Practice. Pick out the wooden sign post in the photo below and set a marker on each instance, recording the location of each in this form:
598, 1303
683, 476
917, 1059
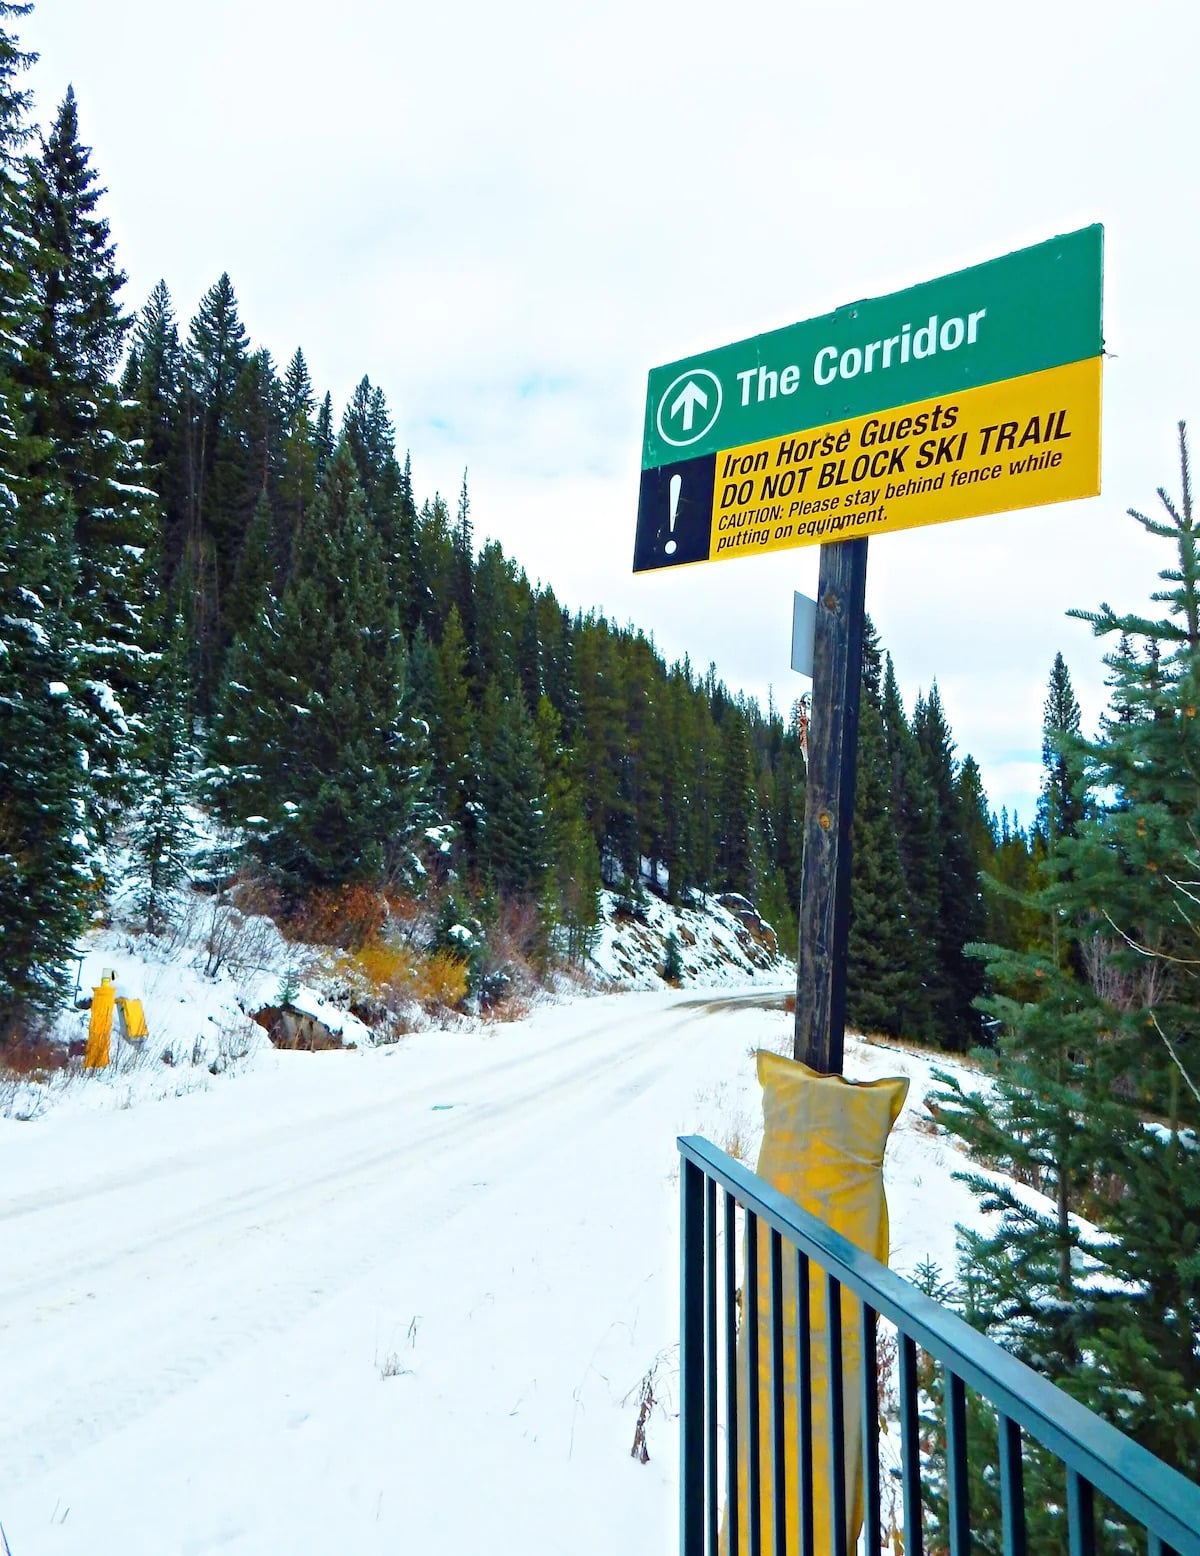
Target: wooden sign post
829, 807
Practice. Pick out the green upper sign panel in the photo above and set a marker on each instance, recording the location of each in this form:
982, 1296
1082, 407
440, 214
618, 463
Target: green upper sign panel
1035, 309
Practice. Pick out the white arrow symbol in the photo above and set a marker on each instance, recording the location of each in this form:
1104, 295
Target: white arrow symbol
676, 418
689, 397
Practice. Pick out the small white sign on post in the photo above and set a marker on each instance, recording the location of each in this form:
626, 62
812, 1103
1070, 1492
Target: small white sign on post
804, 632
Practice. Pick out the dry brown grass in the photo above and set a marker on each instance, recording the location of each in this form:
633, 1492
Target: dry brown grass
344, 916
908, 1045
31, 1056
515, 1007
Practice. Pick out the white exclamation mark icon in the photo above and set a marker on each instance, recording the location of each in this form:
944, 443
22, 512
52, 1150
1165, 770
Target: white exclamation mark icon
676, 488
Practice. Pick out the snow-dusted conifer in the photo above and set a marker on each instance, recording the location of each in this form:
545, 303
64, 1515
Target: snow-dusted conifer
73, 349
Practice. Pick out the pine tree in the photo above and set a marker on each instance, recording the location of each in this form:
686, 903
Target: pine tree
511, 846
213, 361
462, 578
1060, 809
323, 440
255, 574
162, 830
74, 345
368, 433
319, 756
958, 905
1128, 879
883, 988
154, 381
916, 821
735, 807
1095, 1099
573, 888
452, 724
297, 487
297, 389
44, 842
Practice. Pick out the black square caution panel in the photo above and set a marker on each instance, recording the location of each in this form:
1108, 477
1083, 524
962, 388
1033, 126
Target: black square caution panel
674, 523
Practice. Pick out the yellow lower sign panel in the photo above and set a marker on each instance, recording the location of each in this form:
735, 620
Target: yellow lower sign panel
1020, 443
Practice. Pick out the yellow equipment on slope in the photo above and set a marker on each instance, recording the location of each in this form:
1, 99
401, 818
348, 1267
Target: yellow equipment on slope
823, 1144
133, 1020
104, 997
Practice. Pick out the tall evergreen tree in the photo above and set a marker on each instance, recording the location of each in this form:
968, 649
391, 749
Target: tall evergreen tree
451, 736
74, 344
884, 991
162, 831
154, 374
1096, 1099
44, 842
512, 843
213, 478
958, 904
319, 756
297, 487
323, 439
44, 845
462, 578
735, 806
1060, 808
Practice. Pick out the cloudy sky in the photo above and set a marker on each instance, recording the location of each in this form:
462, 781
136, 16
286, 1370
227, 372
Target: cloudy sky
505, 215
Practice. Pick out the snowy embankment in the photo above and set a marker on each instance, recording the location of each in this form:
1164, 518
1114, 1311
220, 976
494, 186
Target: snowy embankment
397, 1298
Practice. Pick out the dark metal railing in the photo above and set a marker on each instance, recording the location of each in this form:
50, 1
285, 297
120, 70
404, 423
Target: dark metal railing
1150, 1506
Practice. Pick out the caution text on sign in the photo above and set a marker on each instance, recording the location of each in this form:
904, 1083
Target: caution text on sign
1018, 443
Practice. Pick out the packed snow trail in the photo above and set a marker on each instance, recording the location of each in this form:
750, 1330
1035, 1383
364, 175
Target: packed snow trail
400, 1300
167, 1272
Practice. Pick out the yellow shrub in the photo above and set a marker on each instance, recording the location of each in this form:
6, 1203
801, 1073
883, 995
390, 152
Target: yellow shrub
385, 965
435, 979
441, 980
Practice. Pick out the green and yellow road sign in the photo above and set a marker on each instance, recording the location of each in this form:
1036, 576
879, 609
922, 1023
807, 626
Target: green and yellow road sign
976, 393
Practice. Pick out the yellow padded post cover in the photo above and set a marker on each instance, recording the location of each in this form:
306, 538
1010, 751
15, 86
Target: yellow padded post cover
100, 1026
823, 1145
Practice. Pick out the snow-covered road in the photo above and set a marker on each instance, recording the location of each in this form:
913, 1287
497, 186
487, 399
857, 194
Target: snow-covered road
398, 1300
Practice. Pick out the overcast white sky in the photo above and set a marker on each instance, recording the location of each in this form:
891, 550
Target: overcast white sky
506, 215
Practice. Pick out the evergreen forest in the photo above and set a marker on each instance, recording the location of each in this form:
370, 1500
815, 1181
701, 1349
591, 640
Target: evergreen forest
222, 596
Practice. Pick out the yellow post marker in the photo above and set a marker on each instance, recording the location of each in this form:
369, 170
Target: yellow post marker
104, 997
823, 1145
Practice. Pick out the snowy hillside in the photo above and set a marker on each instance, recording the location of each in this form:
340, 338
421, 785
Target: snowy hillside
202, 986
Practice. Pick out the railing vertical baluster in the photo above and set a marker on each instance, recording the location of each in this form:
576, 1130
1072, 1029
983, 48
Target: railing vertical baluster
1012, 1486
804, 1399
870, 1427
958, 1484
837, 1412
731, 1411
1100, 1466
779, 1487
753, 1445
691, 1362
1081, 1515
710, 1357
910, 1448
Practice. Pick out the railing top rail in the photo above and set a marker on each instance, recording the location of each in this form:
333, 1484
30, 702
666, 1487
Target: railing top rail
1160, 1498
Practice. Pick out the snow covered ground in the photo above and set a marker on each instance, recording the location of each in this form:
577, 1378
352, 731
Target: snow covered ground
391, 1299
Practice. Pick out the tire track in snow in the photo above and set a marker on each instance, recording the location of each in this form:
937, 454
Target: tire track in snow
247, 1263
